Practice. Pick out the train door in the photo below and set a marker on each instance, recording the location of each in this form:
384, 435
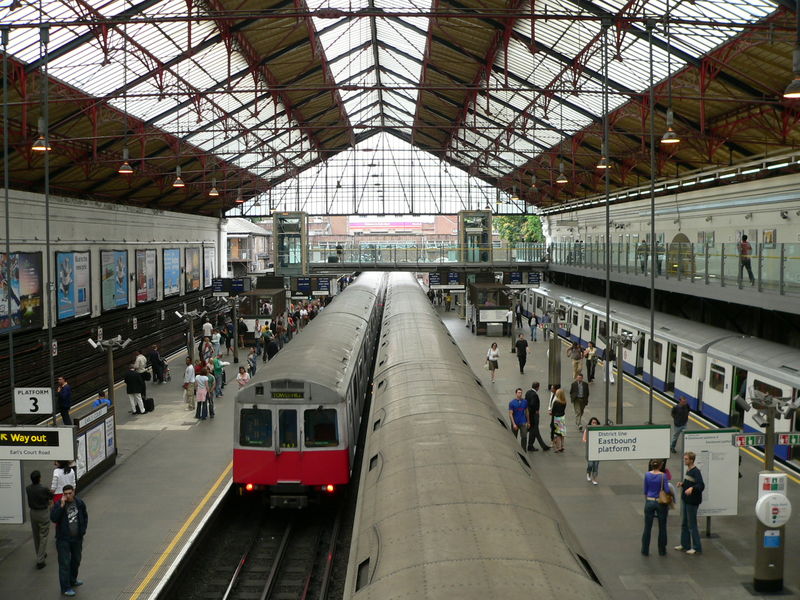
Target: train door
686, 384
631, 362
739, 389
588, 330
601, 341
717, 392
655, 351
672, 359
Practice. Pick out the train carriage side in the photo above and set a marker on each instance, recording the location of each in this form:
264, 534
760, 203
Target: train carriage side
632, 321
750, 364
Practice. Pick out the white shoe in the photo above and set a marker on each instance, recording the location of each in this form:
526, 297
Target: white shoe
691, 551
679, 547
588, 477
594, 483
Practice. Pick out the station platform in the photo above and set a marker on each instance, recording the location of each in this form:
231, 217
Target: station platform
608, 518
171, 470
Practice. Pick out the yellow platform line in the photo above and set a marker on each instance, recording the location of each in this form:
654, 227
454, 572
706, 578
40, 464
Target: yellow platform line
171, 546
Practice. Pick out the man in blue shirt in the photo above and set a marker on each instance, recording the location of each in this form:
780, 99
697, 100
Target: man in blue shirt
520, 418
64, 399
101, 399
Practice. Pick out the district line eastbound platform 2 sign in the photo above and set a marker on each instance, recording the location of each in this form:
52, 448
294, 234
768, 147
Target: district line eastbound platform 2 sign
632, 442
37, 443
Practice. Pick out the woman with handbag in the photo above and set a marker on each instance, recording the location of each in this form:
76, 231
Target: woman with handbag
656, 504
559, 419
591, 361
492, 356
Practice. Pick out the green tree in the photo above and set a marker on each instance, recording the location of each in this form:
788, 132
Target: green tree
519, 228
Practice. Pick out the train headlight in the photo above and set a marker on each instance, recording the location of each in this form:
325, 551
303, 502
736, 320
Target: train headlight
329, 488
249, 487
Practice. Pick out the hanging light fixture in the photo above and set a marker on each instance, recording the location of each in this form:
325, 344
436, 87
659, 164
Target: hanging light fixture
562, 178
125, 168
669, 137
41, 145
604, 163
514, 195
178, 183
239, 198
793, 89
213, 192
257, 203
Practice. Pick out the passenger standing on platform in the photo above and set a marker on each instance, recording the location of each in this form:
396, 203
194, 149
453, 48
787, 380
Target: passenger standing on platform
252, 362
157, 363
691, 497
519, 417
272, 349
201, 394
71, 519
655, 480
206, 349
533, 323
242, 327
579, 394
592, 466
431, 295
518, 315
134, 387
641, 253
545, 326
559, 419
492, 358
208, 328
63, 474
64, 399
39, 504
216, 341
591, 360
188, 384
218, 367
509, 321
140, 366
211, 385
534, 403
448, 300
611, 360
243, 378
553, 389
745, 252
522, 350
680, 418
575, 354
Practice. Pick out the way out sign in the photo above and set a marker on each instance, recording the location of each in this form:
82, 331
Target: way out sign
632, 442
37, 443
33, 401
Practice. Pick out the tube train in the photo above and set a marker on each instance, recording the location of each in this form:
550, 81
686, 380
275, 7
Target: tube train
297, 421
708, 366
448, 505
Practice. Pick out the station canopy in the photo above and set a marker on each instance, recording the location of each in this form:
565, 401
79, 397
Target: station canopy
382, 106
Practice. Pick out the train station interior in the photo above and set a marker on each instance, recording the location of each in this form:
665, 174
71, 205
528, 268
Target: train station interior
620, 169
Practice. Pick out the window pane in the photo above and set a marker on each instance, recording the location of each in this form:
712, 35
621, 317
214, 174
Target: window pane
255, 427
766, 388
287, 428
628, 337
655, 349
717, 379
601, 330
687, 364
320, 428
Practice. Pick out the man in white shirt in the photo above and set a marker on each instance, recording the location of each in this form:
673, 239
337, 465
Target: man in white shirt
188, 384
509, 321
207, 328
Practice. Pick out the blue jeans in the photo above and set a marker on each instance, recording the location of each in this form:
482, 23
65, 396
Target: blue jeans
675, 435
689, 527
654, 510
218, 384
69, 560
533, 332
592, 467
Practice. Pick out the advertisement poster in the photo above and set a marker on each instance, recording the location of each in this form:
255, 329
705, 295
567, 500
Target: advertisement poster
72, 286
172, 271
114, 275
95, 446
209, 268
145, 276
23, 288
192, 259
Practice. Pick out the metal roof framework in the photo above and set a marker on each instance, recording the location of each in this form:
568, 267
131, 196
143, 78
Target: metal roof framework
253, 95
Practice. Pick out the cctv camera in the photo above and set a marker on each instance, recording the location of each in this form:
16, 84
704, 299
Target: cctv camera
179, 315
784, 214
92, 343
125, 343
742, 403
760, 420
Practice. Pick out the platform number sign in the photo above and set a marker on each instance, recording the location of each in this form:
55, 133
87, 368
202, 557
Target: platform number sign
33, 401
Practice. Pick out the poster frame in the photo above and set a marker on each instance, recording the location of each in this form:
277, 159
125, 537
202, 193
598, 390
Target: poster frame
165, 293
187, 287
60, 319
127, 304
39, 322
136, 274
207, 282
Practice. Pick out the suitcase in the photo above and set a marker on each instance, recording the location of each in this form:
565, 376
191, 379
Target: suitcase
149, 405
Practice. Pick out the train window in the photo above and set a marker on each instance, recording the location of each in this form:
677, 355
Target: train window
539, 302
717, 378
586, 323
601, 330
687, 364
255, 427
628, 337
320, 428
287, 428
655, 348
376, 425
766, 388
362, 577
575, 317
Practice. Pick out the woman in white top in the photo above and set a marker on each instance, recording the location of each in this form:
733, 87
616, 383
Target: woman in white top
243, 378
201, 394
492, 356
216, 340
63, 474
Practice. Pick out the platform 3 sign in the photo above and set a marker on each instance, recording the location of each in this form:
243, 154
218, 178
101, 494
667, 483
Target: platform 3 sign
37, 443
632, 442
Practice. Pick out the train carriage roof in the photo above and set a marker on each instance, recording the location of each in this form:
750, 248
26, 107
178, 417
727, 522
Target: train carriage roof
772, 360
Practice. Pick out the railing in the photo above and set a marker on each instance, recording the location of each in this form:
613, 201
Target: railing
431, 255
775, 267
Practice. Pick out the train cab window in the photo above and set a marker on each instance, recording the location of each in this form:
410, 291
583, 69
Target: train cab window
320, 428
656, 349
255, 427
687, 365
717, 378
287, 428
768, 389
